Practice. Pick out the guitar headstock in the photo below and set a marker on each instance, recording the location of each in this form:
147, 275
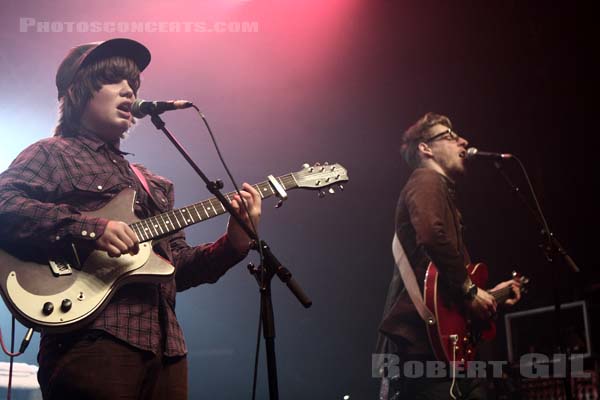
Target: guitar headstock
523, 280
319, 176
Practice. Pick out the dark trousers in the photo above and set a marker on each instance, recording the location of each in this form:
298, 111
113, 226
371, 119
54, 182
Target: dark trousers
100, 367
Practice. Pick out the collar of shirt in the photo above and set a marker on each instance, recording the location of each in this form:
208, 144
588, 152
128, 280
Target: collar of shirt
91, 140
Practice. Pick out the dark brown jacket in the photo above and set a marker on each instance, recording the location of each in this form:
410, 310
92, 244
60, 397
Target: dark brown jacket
429, 226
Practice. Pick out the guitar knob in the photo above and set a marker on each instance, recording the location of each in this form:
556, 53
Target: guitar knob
66, 305
321, 194
48, 308
305, 165
341, 187
331, 191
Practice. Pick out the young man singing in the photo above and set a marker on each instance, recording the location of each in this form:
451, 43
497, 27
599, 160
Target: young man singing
430, 229
134, 349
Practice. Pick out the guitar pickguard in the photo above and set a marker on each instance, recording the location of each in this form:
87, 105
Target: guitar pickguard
93, 284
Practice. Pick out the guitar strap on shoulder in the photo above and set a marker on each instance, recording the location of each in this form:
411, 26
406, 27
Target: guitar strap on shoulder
141, 178
410, 281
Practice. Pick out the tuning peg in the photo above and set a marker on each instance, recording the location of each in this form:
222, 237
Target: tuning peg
325, 163
305, 165
341, 187
252, 268
321, 194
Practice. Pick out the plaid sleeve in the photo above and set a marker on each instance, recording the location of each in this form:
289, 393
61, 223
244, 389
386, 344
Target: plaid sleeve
205, 263
27, 211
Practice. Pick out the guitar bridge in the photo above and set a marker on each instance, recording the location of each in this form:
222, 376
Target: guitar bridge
60, 268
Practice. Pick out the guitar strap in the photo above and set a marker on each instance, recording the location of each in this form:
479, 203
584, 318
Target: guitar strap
410, 281
141, 178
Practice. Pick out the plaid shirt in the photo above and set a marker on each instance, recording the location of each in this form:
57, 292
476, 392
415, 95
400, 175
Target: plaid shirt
41, 196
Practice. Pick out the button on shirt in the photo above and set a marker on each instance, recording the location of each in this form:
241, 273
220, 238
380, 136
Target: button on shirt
42, 195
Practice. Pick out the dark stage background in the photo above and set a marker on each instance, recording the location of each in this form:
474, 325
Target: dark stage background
333, 81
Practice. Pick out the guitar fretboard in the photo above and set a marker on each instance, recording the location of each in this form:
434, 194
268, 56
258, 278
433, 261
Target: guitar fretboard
501, 295
174, 220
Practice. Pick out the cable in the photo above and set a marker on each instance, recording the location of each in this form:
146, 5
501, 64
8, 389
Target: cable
11, 352
256, 353
258, 244
454, 339
535, 199
12, 359
231, 178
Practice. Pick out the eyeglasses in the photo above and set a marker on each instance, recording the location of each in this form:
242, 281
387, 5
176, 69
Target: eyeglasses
448, 134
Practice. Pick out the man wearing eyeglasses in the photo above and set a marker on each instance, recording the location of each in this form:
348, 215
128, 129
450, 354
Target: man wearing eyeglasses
430, 229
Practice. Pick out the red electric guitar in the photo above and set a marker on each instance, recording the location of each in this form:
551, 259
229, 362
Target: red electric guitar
453, 335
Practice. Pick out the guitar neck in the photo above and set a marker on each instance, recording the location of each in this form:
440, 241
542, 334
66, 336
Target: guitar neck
501, 295
166, 223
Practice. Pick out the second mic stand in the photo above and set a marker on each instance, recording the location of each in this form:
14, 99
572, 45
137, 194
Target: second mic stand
270, 265
550, 247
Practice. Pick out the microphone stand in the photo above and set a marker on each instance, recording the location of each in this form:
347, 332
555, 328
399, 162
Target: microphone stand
550, 247
270, 266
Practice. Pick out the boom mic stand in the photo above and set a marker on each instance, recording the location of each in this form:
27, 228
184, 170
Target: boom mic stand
270, 265
550, 248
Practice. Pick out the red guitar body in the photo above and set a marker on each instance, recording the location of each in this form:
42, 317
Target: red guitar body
454, 335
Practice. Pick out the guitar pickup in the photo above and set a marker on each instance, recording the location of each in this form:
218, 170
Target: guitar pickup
59, 268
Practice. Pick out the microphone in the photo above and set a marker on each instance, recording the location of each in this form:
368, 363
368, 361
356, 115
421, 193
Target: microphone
140, 108
473, 152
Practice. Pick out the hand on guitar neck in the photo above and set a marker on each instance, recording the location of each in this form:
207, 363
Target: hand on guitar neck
236, 235
485, 303
508, 292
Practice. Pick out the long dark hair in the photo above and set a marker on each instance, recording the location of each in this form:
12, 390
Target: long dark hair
89, 80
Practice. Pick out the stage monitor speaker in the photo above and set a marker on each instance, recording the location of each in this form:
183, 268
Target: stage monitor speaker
532, 331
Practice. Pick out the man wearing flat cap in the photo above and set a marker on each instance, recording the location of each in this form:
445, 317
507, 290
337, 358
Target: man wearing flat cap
134, 348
